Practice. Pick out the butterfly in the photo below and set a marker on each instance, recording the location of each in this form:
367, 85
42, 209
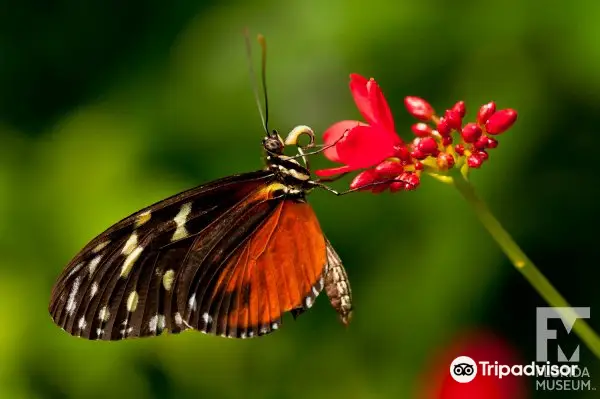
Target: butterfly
229, 258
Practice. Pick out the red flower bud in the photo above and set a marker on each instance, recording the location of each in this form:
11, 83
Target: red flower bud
492, 142
474, 161
402, 152
416, 154
460, 149
443, 127
411, 180
445, 161
389, 169
364, 178
460, 108
481, 143
446, 141
418, 108
501, 121
485, 112
470, 133
483, 155
397, 186
426, 145
421, 129
454, 119
419, 165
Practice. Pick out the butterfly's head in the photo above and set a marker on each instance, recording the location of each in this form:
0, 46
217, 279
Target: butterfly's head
273, 143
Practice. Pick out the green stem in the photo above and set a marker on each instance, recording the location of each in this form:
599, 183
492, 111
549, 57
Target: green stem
524, 265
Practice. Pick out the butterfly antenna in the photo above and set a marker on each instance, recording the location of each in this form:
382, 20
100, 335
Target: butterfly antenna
263, 116
263, 74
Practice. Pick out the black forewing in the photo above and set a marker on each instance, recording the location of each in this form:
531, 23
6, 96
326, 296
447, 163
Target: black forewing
122, 284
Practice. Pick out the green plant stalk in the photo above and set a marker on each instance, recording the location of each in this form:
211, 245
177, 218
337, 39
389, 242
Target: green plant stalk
524, 265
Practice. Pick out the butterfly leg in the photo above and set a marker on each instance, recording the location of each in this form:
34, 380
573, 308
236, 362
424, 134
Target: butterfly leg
340, 193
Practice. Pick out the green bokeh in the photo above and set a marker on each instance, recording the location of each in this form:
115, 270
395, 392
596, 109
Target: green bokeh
106, 107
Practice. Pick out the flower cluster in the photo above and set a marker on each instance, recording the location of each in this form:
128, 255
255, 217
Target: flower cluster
390, 163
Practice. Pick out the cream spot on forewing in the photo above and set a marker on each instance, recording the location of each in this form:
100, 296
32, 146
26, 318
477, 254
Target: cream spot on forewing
130, 260
130, 244
274, 326
243, 335
207, 318
180, 233
100, 246
161, 322
75, 269
94, 264
192, 302
104, 314
142, 218
178, 319
93, 289
132, 301
82, 323
126, 331
99, 332
153, 323
167, 279
70, 308
180, 219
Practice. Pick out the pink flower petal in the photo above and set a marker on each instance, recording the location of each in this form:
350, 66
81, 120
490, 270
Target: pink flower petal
333, 133
380, 107
365, 146
333, 171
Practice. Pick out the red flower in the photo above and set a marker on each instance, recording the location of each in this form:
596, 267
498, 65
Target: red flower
363, 144
390, 163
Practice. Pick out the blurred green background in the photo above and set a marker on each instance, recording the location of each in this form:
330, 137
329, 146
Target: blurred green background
107, 106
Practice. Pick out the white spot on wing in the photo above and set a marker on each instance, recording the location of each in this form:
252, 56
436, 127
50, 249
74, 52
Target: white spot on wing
153, 323
192, 302
100, 246
274, 326
132, 301
130, 260
94, 289
70, 308
104, 314
130, 244
308, 302
142, 218
161, 322
168, 279
75, 269
82, 324
207, 318
126, 331
180, 219
178, 319
94, 264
